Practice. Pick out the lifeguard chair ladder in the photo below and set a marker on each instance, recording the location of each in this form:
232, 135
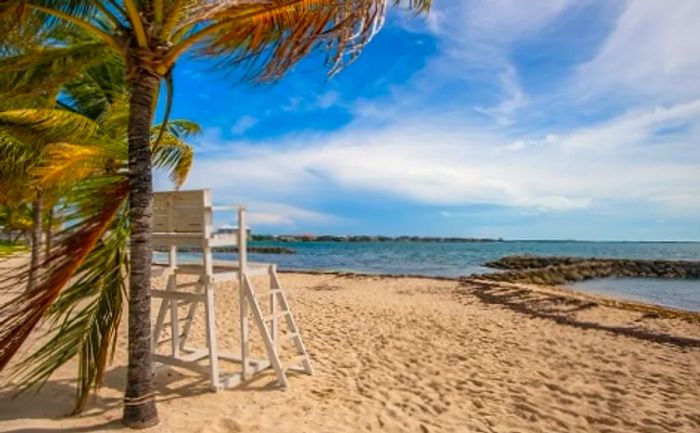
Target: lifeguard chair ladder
183, 219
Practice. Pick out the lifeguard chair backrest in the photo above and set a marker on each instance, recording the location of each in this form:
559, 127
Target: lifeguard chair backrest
183, 212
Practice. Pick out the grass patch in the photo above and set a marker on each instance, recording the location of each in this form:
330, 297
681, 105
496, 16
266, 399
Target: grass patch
7, 248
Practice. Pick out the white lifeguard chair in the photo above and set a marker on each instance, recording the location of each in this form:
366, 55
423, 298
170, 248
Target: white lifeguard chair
184, 219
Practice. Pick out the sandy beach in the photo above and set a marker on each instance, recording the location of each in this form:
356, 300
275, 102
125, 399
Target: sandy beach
395, 354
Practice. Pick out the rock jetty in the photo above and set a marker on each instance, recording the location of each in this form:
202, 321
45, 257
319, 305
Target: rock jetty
560, 270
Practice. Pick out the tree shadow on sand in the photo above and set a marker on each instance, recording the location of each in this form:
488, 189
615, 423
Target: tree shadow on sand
561, 309
54, 401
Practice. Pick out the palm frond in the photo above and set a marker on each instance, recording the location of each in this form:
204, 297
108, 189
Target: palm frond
171, 152
113, 121
77, 8
91, 217
85, 317
68, 164
43, 126
183, 128
69, 16
175, 12
169, 95
270, 37
96, 88
17, 159
38, 72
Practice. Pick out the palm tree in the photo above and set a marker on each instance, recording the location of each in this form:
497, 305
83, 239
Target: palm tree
20, 156
268, 37
15, 164
83, 146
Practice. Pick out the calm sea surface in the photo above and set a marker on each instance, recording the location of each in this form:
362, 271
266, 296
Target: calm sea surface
683, 294
456, 259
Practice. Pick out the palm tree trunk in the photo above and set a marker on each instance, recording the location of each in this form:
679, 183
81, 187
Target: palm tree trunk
139, 402
36, 242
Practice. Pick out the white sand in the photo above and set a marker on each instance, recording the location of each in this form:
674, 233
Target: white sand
423, 355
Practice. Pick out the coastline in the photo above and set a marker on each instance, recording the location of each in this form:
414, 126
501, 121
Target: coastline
461, 259
618, 302
407, 353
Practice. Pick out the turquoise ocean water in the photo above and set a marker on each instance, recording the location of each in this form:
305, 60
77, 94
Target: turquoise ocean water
457, 259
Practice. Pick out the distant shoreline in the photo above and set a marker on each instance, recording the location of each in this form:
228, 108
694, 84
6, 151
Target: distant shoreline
437, 239
367, 238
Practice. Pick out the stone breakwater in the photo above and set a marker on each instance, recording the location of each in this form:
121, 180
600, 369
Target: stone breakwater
560, 270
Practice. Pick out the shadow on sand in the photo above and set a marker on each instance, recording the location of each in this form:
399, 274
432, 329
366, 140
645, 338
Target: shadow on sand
561, 309
54, 401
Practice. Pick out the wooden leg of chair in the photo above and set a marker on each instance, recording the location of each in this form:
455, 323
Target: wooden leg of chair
245, 342
211, 339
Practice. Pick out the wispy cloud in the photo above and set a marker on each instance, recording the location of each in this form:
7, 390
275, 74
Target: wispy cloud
653, 52
327, 99
513, 96
316, 101
243, 124
263, 215
477, 40
285, 215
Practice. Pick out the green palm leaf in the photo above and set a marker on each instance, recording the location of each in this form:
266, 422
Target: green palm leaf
36, 127
85, 316
35, 73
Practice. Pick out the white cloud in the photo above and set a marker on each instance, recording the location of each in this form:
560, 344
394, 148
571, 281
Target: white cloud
312, 101
476, 39
635, 129
265, 213
436, 163
654, 51
281, 214
243, 124
493, 23
327, 99
513, 97
292, 105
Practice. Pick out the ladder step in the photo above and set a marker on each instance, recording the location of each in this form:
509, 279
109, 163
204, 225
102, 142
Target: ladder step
188, 285
179, 296
279, 315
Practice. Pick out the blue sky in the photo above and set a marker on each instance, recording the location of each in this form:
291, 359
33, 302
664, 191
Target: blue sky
544, 119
